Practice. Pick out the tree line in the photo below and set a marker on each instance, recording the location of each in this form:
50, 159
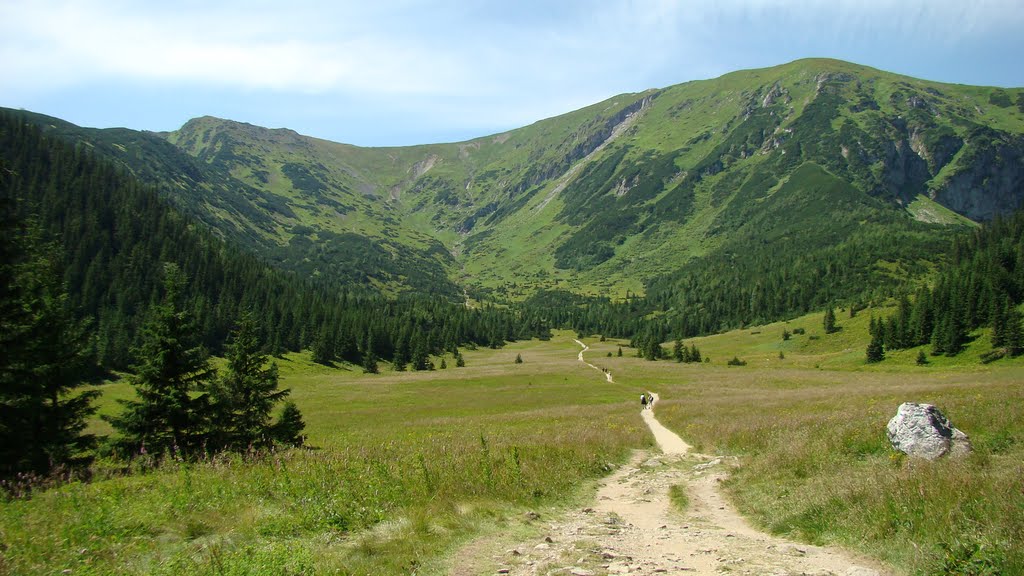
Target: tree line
86, 247
982, 286
115, 232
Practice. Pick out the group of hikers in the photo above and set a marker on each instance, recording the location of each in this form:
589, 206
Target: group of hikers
646, 401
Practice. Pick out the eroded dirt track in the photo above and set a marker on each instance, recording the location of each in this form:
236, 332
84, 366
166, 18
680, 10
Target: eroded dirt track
632, 527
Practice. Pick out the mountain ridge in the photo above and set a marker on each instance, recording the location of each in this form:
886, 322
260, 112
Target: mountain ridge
601, 200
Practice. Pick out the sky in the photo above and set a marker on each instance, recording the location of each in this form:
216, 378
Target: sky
402, 72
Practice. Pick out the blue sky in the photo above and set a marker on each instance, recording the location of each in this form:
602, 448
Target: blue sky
398, 72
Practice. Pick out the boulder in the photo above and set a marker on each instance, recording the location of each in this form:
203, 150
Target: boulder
923, 431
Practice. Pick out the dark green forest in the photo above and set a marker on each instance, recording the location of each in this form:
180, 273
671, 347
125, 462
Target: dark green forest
982, 286
86, 252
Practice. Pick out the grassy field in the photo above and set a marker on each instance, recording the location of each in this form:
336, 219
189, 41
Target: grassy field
409, 466
404, 467
815, 464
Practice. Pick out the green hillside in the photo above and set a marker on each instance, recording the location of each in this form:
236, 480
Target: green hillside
616, 196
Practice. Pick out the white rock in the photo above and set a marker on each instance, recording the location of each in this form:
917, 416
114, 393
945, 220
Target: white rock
921, 430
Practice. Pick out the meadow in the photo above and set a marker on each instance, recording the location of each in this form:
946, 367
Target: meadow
814, 463
405, 468
402, 467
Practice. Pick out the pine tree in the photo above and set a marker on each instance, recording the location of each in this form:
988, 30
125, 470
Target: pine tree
244, 396
289, 425
922, 358
953, 334
420, 354
921, 318
677, 351
369, 356
999, 322
323, 348
902, 325
875, 352
45, 358
460, 362
401, 354
519, 359
172, 368
1014, 340
619, 353
444, 364
830, 320
694, 353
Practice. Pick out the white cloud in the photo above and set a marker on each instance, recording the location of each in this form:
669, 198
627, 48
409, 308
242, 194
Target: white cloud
484, 63
60, 44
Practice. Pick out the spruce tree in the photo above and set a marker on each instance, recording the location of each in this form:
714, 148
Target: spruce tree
678, 351
173, 368
1014, 340
289, 425
369, 356
921, 318
830, 320
420, 354
245, 395
323, 348
519, 358
45, 359
401, 354
694, 353
875, 351
999, 322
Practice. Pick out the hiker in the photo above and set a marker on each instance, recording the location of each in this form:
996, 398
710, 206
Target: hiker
650, 402
643, 401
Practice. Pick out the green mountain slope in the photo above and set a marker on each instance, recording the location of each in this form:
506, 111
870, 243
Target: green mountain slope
621, 195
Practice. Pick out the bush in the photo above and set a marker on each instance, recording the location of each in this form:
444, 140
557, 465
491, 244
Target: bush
736, 362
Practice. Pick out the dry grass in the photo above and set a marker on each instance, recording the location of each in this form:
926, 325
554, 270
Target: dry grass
410, 465
405, 467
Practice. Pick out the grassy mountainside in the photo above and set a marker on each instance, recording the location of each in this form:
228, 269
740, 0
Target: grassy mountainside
613, 196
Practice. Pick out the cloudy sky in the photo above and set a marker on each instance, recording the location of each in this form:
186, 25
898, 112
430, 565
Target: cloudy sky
397, 72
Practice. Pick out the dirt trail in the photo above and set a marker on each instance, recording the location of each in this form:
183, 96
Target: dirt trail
607, 374
632, 528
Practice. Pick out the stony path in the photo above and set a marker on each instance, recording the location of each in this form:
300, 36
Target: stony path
632, 527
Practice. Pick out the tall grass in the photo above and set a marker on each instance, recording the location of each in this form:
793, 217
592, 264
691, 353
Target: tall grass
406, 466
815, 463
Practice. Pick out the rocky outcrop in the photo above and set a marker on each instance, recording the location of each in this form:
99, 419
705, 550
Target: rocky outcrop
990, 178
921, 430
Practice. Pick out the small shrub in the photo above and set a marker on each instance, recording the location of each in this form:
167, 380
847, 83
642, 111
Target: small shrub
990, 356
736, 362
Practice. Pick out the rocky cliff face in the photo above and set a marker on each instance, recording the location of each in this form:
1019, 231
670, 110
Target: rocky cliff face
989, 178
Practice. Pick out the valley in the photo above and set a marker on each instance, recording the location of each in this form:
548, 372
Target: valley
231, 349
410, 469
